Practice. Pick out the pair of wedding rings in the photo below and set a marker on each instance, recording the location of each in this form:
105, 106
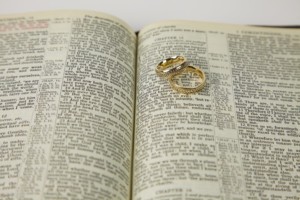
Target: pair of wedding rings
174, 66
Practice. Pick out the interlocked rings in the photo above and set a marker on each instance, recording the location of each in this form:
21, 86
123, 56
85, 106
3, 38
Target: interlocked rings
175, 66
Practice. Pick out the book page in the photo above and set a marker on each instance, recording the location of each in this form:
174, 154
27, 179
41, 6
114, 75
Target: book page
67, 84
239, 138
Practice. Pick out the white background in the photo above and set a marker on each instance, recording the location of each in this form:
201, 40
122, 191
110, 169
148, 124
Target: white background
138, 13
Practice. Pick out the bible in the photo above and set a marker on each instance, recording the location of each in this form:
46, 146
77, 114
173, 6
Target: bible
83, 115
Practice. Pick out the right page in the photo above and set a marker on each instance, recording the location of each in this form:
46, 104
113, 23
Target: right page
239, 137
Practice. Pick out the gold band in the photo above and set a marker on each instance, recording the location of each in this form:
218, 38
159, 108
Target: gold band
188, 90
173, 65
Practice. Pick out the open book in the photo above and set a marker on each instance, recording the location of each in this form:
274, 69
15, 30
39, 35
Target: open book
84, 116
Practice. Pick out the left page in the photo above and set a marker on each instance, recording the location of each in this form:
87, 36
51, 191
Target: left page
66, 106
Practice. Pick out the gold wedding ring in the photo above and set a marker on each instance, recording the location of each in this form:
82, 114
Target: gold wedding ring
188, 90
172, 65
